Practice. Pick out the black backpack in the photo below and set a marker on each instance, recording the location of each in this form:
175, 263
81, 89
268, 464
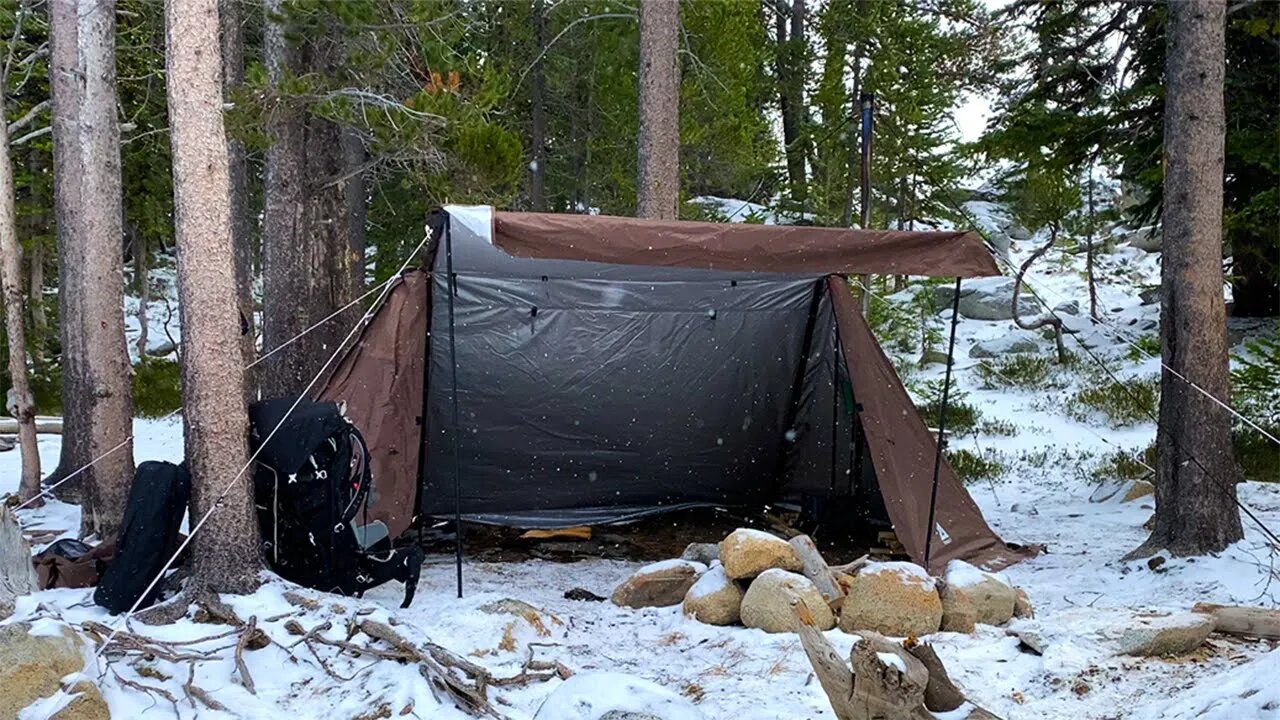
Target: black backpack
312, 486
148, 535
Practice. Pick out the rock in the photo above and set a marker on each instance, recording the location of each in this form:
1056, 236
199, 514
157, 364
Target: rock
162, 348
1024, 509
658, 585
933, 357
1166, 635
1031, 634
1150, 296
1146, 238
747, 553
992, 299
1001, 242
1011, 343
892, 598
768, 603
1018, 232
1154, 563
582, 595
703, 553
32, 665
17, 577
1070, 307
991, 597
86, 705
614, 696
958, 613
7, 443
1022, 607
714, 599
1137, 490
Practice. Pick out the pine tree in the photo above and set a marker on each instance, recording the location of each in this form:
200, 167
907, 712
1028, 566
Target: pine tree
225, 548
658, 182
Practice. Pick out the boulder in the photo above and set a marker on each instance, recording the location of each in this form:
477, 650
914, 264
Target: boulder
87, 704
1121, 491
1150, 296
1070, 307
1165, 635
1137, 490
658, 585
768, 603
32, 665
992, 299
1146, 238
714, 599
704, 553
1011, 343
8, 442
1018, 232
958, 612
892, 598
1022, 607
991, 597
615, 696
162, 348
746, 553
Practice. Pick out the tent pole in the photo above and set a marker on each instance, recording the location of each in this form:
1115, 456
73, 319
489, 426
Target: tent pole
942, 425
453, 398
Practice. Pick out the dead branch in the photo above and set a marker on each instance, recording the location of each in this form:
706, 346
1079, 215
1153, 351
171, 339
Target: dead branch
941, 695
195, 692
1050, 320
247, 632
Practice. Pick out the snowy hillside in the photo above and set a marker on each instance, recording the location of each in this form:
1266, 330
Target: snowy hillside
1049, 462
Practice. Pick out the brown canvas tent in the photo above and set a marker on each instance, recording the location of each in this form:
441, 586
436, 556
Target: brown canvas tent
607, 368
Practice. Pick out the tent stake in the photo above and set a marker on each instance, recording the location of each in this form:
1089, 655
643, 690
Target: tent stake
453, 398
942, 425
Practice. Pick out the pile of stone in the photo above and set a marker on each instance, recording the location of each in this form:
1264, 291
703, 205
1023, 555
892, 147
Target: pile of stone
756, 579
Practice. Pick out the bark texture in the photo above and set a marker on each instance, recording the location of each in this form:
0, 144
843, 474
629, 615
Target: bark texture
21, 406
1195, 471
538, 131
238, 174
658, 184
97, 397
226, 549
313, 256
790, 38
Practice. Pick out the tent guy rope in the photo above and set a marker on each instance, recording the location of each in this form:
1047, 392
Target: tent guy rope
56, 701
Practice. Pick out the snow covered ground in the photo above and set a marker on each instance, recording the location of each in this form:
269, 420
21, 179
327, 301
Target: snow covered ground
1042, 496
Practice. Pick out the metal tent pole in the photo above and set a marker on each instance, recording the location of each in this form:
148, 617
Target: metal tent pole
942, 425
453, 398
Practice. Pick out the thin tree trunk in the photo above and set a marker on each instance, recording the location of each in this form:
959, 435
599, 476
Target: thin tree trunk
789, 37
20, 403
1195, 472
35, 299
1048, 320
658, 185
1089, 253
237, 168
537, 134
141, 286
226, 549
97, 403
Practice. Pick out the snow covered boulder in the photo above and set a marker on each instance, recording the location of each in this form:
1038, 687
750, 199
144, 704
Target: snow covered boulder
992, 299
714, 599
661, 584
1011, 343
1022, 607
768, 603
747, 553
991, 597
615, 696
892, 598
1165, 635
958, 613
32, 664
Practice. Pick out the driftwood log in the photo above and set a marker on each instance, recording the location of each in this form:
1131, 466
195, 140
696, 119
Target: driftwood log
815, 568
886, 682
1242, 621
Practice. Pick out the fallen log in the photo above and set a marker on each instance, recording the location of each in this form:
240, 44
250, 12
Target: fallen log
44, 425
940, 695
1242, 621
815, 568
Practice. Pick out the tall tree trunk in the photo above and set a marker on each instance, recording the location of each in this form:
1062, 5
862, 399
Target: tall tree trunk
537, 134
1195, 471
20, 403
313, 262
658, 185
226, 548
1089, 253
64, 84
238, 172
97, 397
35, 299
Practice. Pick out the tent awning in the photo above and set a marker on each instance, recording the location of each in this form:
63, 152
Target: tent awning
753, 248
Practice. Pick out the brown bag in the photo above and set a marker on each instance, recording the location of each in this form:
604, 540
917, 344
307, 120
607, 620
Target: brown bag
71, 564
